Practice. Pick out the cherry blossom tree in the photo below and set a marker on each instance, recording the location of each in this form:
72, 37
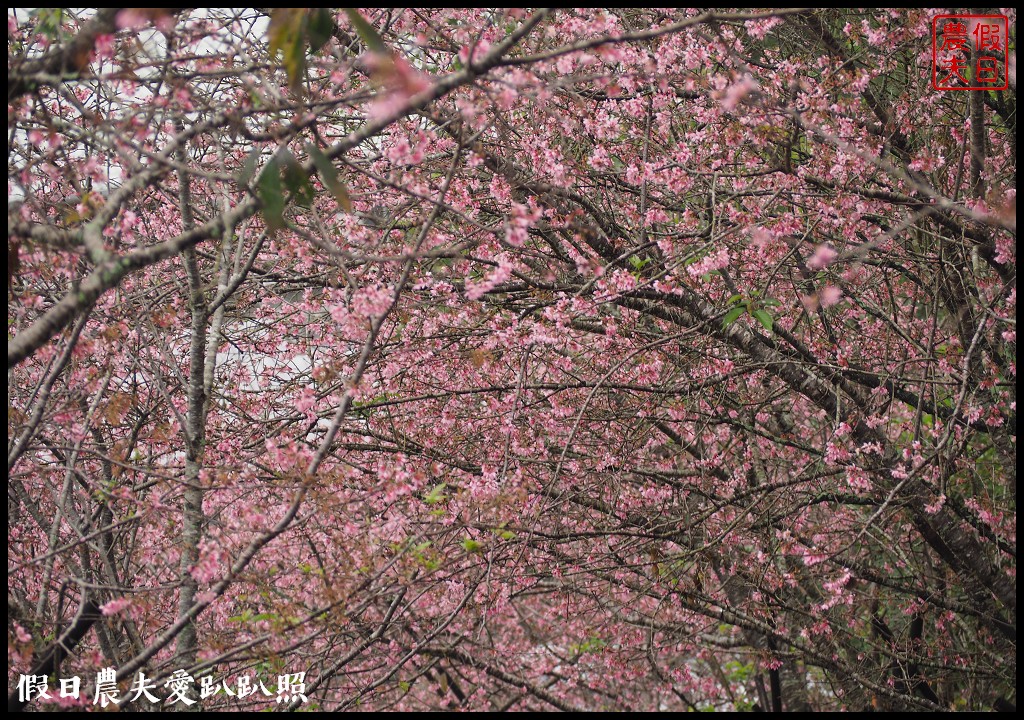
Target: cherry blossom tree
623, 359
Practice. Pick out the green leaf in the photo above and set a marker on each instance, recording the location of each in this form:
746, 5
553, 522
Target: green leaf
285, 24
50, 21
245, 175
286, 37
404, 686
295, 179
471, 545
329, 176
295, 65
366, 31
730, 317
320, 27
764, 318
436, 494
271, 195
592, 644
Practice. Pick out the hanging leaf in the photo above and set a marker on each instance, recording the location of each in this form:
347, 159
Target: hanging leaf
248, 171
285, 28
271, 195
730, 317
295, 65
320, 27
764, 318
329, 176
285, 34
366, 31
295, 179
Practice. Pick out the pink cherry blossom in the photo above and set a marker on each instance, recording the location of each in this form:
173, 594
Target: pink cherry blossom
823, 256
